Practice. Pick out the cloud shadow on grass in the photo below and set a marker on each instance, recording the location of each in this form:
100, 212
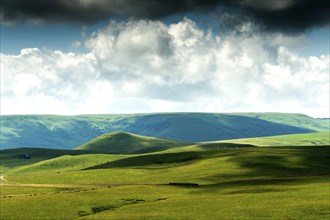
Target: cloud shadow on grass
274, 167
153, 161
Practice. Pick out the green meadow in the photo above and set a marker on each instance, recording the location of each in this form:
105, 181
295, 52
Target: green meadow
202, 181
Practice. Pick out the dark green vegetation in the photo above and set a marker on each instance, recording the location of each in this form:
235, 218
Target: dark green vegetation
235, 181
67, 132
123, 142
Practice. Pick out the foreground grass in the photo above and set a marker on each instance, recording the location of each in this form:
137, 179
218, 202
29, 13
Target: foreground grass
301, 199
235, 183
300, 202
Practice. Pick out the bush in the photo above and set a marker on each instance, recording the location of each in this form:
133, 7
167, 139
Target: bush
101, 208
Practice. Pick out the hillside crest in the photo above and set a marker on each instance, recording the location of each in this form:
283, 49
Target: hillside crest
125, 142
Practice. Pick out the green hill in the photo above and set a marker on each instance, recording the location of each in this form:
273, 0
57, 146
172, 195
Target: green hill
310, 139
67, 132
123, 142
13, 158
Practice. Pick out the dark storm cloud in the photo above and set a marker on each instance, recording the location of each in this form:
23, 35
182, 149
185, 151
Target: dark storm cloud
281, 15
300, 15
82, 11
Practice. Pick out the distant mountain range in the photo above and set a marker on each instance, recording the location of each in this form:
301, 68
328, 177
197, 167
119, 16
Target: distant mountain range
67, 132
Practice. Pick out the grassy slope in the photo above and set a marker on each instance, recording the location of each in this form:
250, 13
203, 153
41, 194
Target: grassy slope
67, 163
71, 131
123, 142
244, 183
310, 139
13, 158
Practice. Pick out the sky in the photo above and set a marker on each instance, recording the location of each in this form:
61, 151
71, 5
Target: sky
124, 56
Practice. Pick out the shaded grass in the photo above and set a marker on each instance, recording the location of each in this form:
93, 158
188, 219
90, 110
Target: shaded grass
156, 161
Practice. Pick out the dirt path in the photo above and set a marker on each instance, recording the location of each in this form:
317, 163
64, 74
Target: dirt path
3, 179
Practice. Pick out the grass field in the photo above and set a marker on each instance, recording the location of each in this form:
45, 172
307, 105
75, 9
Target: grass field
234, 182
296, 200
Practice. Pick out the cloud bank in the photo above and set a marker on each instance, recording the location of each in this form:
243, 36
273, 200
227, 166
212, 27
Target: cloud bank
278, 15
149, 66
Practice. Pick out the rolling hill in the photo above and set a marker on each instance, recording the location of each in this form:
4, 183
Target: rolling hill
100, 151
123, 143
310, 139
12, 158
67, 132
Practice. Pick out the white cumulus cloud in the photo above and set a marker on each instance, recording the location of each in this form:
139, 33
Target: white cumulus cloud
146, 66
